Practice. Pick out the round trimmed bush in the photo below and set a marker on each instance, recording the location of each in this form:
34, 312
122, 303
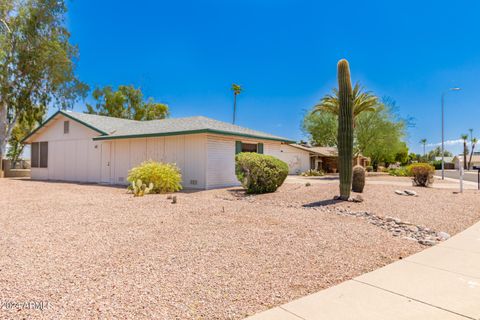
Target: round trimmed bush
165, 177
260, 173
422, 174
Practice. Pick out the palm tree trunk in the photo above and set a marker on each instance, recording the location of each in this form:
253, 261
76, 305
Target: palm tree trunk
465, 155
234, 107
471, 154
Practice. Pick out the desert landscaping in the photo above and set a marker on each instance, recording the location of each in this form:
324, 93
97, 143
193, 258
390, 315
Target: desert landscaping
91, 251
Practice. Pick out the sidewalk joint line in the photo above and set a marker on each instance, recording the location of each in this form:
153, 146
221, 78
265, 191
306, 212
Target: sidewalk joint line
288, 311
420, 301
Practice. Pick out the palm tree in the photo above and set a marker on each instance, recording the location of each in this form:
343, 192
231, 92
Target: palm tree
464, 137
471, 134
237, 89
474, 142
363, 101
424, 142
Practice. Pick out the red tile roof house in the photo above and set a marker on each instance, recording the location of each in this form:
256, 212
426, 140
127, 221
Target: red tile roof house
79, 147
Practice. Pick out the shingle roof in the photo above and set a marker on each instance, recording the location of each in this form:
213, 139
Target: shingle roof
105, 124
116, 128
322, 151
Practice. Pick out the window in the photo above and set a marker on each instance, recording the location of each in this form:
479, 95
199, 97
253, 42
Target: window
43, 154
35, 154
248, 147
39, 156
66, 127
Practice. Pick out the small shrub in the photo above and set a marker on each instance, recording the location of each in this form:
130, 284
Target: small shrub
369, 169
312, 173
422, 174
164, 177
358, 179
399, 172
260, 173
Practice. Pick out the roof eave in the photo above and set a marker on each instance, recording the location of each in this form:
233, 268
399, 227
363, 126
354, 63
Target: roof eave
185, 132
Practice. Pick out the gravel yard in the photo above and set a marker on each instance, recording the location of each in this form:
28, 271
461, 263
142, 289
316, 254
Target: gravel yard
96, 252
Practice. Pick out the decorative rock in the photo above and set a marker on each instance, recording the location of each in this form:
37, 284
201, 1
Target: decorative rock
398, 228
427, 242
442, 236
400, 192
410, 192
413, 229
357, 198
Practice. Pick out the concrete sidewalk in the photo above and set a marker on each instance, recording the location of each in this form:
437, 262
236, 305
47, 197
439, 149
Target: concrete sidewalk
442, 282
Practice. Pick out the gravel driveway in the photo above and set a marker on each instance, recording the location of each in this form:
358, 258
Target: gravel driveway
90, 251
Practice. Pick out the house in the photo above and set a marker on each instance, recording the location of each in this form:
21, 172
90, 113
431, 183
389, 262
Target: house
326, 158
72, 146
449, 162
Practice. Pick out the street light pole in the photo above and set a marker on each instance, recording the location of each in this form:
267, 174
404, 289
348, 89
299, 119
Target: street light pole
443, 130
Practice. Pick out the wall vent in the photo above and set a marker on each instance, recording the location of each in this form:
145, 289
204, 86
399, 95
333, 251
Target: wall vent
193, 182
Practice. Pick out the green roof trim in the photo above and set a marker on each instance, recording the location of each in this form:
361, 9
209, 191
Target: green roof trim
66, 115
176, 133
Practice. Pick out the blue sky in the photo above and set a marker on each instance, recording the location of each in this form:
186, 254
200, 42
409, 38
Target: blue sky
284, 54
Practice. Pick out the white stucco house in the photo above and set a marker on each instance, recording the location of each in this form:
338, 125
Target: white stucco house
72, 146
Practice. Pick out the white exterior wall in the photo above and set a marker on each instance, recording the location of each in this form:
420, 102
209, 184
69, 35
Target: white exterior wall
221, 158
188, 152
71, 157
221, 162
298, 160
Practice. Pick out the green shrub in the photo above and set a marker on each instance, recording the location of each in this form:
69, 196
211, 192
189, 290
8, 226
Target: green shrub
369, 168
165, 177
312, 173
260, 173
422, 174
437, 164
399, 172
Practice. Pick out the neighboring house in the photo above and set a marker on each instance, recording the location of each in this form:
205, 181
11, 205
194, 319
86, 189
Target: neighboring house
72, 146
449, 162
326, 158
475, 160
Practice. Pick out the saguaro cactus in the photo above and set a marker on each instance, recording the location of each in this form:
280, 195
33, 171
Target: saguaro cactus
345, 129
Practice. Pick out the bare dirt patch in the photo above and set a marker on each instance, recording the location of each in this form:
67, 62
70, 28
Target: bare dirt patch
96, 252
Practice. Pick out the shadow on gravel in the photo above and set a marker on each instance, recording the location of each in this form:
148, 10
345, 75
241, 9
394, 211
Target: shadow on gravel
321, 203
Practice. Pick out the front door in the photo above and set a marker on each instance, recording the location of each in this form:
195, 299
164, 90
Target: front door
106, 165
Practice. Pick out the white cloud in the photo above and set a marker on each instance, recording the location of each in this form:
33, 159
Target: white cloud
447, 143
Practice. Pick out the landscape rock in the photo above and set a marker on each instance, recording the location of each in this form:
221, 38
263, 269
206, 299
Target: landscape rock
400, 192
397, 227
410, 192
442, 236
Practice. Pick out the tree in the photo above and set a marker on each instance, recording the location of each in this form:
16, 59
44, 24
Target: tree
424, 143
437, 152
37, 63
474, 143
378, 134
464, 137
363, 101
237, 89
127, 103
20, 131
